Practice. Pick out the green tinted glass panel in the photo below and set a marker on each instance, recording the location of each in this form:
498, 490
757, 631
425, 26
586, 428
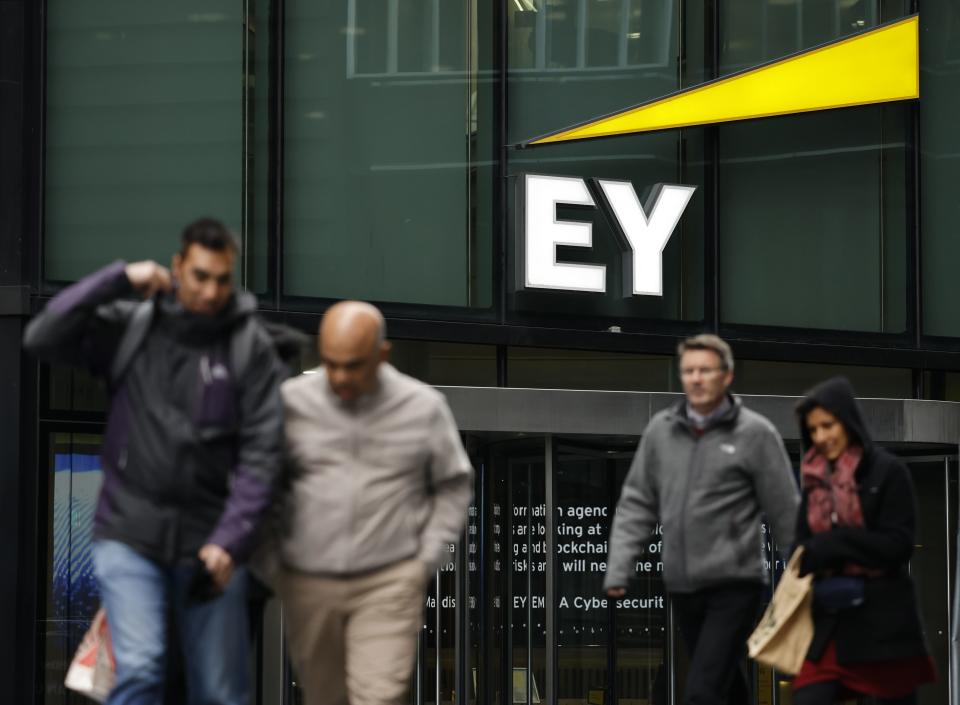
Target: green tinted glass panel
454, 364
573, 60
589, 369
795, 378
940, 166
143, 133
259, 164
757, 32
812, 214
388, 119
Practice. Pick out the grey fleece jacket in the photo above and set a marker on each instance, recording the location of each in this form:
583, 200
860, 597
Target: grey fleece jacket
374, 482
708, 491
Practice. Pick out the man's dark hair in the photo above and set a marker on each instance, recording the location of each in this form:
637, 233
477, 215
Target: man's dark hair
210, 234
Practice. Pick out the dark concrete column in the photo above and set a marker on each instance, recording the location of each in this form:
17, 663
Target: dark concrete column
20, 593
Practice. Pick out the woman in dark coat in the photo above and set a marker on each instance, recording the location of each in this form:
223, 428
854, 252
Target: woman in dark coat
856, 524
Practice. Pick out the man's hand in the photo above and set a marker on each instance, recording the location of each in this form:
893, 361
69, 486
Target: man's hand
148, 277
616, 593
219, 564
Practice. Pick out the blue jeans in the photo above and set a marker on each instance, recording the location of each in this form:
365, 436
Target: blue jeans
139, 595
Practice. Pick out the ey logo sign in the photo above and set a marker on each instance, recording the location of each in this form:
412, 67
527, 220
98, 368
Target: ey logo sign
644, 231
876, 66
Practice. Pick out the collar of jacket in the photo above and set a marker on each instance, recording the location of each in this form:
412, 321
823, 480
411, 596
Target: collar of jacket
387, 376
198, 329
678, 414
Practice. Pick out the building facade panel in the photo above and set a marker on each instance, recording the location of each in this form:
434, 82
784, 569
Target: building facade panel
375, 149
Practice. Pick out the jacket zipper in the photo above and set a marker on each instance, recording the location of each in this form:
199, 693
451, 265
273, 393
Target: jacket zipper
681, 529
351, 479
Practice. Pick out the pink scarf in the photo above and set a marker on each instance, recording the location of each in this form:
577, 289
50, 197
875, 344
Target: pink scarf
832, 498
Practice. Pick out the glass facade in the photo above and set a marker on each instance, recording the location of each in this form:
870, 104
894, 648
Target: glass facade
818, 199
368, 149
144, 128
388, 152
939, 152
372, 149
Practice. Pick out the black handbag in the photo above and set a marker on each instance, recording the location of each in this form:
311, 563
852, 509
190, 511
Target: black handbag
838, 593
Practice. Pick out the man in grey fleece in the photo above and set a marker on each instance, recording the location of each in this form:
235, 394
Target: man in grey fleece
706, 469
378, 490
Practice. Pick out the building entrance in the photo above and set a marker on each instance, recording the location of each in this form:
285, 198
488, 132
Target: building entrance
516, 613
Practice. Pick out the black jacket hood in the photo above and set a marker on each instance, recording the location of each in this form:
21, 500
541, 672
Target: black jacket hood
836, 395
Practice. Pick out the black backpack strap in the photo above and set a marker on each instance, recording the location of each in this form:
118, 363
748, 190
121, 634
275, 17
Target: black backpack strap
133, 336
241, 347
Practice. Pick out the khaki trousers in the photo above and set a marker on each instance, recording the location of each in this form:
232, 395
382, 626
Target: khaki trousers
354, 639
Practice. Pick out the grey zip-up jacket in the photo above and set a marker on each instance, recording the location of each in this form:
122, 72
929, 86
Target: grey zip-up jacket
374, 482
708, 490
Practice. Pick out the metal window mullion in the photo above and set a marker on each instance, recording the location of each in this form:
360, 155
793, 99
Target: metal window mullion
246, 115
583, 18
351, 43
506, 658
461, 618
418, 681
624, 41
275, 231
273, 651
541, 61
672, 652
528, 679
613, 684
437, 622
471, 85
393, 36
883, 224
951, 682
550, 647
435, 36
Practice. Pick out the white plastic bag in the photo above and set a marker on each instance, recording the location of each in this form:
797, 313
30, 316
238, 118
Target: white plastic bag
93, 668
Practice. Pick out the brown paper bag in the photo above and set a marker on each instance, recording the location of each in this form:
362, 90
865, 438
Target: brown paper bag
783, 637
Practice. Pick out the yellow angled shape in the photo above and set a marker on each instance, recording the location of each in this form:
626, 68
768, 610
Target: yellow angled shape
876, 66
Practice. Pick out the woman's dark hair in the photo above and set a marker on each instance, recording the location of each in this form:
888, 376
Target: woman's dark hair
210, 234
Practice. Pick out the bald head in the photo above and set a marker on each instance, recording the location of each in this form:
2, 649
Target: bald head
352, 346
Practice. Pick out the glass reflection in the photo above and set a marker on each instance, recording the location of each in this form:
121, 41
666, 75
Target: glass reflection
72, 596
388, 151
774, 174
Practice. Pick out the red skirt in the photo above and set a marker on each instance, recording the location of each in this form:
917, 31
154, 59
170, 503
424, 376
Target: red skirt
882, 679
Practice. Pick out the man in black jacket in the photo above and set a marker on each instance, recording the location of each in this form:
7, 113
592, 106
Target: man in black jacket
189, 457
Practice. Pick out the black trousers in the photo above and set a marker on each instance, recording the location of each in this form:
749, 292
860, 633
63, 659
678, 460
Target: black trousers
715, 623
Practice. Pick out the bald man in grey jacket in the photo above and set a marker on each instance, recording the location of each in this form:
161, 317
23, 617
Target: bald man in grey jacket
378, 486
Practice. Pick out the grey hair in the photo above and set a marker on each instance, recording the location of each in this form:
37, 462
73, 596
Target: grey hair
708, 341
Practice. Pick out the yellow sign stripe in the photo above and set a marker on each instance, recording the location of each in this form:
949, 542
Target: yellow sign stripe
876, 66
